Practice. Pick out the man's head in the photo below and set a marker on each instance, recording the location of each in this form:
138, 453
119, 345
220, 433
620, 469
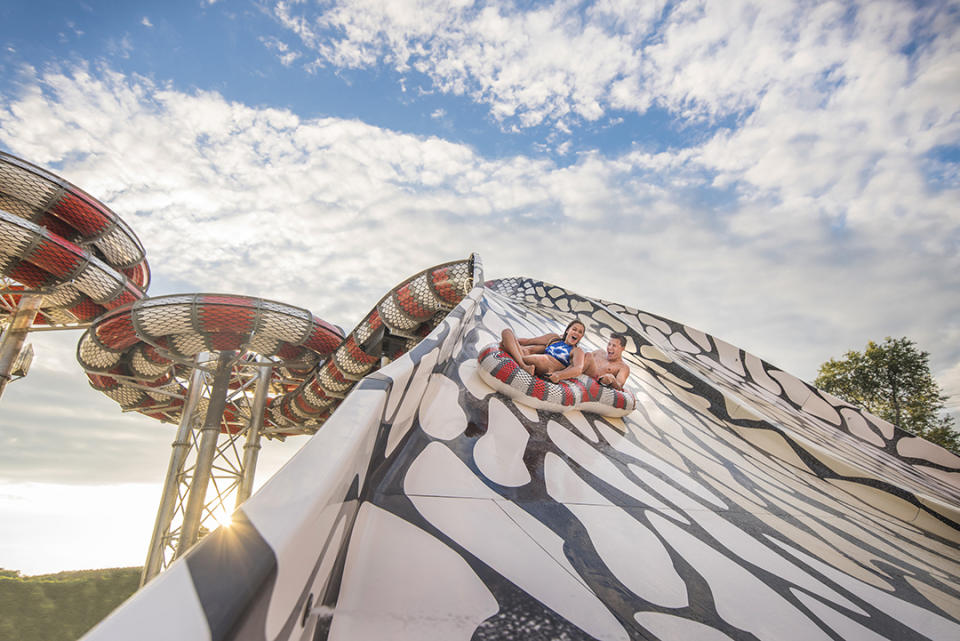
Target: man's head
615, 346
574, 332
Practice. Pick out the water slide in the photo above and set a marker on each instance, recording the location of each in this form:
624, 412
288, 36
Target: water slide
59, 241
734, 502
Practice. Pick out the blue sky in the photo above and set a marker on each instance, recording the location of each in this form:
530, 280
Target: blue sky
784, 175
237, 50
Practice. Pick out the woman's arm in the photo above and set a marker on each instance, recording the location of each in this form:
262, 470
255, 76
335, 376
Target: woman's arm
573, 370
541, 341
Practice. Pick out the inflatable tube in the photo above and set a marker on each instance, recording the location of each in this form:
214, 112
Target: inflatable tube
583, 393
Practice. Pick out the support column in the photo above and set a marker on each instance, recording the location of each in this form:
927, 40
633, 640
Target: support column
209, 434
16, 333
171, 494
251, 448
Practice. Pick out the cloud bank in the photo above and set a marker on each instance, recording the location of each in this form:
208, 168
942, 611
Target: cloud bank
784, 226
565, 61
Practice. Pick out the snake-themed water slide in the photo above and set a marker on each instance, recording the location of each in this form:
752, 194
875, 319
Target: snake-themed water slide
735, 502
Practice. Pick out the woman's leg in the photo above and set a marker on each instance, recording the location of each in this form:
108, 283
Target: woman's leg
544, 364
508, 341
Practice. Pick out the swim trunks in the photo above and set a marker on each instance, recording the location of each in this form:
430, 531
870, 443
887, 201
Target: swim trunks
560, 351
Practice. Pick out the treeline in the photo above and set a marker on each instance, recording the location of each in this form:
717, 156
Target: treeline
62, 606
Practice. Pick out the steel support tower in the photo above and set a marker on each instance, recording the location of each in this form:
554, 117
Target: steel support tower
212, 463
14, 335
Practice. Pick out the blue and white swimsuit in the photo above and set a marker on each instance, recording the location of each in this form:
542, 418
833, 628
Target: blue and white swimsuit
560, 351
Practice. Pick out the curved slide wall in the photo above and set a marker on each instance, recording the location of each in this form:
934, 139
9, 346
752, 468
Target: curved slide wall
736, 502
57, 239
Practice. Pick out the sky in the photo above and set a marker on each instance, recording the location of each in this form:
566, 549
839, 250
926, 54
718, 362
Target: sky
784, 175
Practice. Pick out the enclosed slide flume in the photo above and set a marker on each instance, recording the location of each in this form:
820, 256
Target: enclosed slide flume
65, 257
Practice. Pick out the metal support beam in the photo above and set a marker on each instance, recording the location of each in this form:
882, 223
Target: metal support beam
210, 468
61, 328
251, 448
16, 333
168, 501
209, 434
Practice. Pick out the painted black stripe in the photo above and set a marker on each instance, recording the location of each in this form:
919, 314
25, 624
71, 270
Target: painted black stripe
234, 571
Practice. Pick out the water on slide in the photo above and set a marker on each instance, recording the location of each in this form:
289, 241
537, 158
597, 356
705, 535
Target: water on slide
736, 502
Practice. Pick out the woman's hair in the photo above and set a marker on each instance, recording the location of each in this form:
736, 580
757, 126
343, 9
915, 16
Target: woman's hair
572, 323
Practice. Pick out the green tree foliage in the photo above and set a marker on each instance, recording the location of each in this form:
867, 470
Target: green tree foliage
892, 380
62, 606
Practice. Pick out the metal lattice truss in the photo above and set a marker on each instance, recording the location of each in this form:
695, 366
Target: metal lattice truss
142, 355
58, 241
222, 476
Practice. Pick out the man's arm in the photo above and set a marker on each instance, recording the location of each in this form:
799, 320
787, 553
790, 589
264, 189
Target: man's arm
616, 381
622, 376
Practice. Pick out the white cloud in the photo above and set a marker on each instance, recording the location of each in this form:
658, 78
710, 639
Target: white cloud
284, 54
566, 62
545, 64
121, 48
145, 21
74, 28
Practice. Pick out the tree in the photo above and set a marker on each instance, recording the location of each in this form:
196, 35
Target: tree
892, 380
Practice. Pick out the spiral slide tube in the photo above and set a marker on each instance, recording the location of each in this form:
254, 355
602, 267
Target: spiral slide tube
141, 355
399, 321
57, 240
